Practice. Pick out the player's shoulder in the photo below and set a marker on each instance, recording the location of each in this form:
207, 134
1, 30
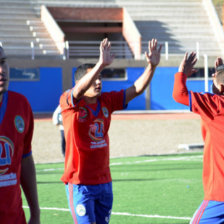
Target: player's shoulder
209, 95
66, 93
17, 97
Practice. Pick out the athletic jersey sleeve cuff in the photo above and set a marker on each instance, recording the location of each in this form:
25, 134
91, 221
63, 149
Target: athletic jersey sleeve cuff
27, 154
73, 100
124, 100
190, 100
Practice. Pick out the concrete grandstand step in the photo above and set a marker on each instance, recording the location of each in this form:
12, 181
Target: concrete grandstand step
16, 13
58, 2
14, 3
13, 32
23, 33
169, 20
180, 31
13, 8
18, 52
10, 26
156, 25
34, 22
17, 39
165, 9
155, 15
27, 46
9, 19
17, 16
159, 2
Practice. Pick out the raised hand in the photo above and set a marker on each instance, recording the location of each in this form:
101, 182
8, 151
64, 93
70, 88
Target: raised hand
218, 62
187, 64
153, 56
106, 58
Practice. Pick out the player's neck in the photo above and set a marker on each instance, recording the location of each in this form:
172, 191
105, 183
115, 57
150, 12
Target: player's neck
90, 100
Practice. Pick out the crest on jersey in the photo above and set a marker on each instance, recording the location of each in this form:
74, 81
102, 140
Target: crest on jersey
80, 209
19, 124
6, 153
82, 113
105, 112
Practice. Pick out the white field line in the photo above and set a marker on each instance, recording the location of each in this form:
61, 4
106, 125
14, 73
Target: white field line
183, 158
120, 213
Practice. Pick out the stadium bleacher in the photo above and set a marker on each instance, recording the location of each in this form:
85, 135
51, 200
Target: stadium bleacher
19, 26
184, 24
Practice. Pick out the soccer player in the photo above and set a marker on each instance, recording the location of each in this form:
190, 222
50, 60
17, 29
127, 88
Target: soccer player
86, 116
57, 120
16, 161
211, 109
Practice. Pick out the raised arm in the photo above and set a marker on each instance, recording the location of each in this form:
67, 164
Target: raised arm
153, 59
105, 58
186, 69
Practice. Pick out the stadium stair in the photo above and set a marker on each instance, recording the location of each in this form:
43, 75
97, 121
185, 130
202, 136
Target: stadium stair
181, 23
184, 24
16, 34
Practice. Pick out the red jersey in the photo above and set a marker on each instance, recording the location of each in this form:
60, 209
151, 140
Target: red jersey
211, 109
16, 130
87, 142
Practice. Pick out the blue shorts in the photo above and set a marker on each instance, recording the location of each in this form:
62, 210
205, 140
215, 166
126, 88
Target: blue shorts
90, 203
211, 212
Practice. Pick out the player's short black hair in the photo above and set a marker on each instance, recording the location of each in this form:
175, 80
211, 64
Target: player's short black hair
82, 70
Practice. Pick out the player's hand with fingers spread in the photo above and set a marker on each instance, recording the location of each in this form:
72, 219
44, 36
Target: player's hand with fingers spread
218, 62
187, 64
153, 56
106, 58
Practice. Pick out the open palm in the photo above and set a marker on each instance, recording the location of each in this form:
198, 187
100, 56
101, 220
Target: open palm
106, 58
153, 56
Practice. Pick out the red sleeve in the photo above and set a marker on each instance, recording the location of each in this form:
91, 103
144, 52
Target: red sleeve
29, 132
67, 100
180, 91
116, 100
207, 105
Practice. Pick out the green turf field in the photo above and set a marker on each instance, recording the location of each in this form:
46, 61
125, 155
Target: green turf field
147, 189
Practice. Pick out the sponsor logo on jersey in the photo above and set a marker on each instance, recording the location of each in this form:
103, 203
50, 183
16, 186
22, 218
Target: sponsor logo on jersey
83, 113
96, 130
19, 124
105, 112
80, 210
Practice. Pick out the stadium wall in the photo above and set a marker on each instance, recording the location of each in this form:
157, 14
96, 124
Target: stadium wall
56, 77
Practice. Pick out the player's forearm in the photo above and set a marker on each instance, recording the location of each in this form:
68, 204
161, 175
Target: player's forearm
180, 91
28, 183
142, 82
86, 81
